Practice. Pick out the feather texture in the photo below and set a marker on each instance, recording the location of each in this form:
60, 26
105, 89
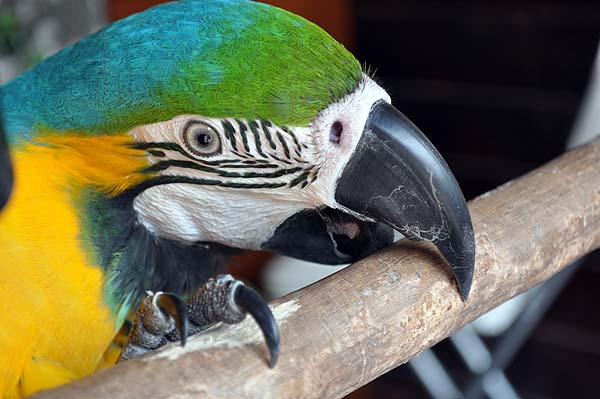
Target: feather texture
217, 58
51, 294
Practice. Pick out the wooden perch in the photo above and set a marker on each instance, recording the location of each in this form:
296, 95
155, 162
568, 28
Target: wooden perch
352, 327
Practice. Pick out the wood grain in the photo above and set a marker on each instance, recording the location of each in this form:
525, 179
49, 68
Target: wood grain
349, 328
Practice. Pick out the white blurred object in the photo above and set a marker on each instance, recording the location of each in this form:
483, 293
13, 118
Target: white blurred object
498, 320
283, 275
10, 66
472, 349
47, 26
587, 123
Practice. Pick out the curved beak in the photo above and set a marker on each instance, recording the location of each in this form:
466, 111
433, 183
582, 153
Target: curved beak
396, 177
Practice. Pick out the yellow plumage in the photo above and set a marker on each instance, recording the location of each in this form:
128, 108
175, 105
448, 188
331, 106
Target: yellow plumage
56, 325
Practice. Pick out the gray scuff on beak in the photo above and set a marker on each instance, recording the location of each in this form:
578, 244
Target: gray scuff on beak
396, 177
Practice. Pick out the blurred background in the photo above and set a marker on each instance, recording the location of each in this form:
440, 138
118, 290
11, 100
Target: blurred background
499, 89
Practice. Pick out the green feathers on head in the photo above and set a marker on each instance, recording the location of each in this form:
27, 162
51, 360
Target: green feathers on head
217, 58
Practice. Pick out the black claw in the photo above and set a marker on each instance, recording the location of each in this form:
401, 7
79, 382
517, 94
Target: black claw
249, 300
173, 306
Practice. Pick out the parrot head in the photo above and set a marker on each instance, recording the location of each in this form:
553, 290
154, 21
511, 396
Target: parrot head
258, 131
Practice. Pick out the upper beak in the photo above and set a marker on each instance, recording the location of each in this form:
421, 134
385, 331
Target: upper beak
395, 176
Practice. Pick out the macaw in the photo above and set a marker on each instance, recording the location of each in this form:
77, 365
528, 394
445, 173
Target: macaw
147, 153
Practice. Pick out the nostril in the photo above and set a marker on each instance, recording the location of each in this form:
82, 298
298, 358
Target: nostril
336, 132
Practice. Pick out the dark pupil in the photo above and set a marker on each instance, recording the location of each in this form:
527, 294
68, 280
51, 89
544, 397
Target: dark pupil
204, 139
336, 132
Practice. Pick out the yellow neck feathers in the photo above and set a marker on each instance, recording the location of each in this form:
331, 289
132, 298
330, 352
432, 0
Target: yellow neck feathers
45, 272
108, 163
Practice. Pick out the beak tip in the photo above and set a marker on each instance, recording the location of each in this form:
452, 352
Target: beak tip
463, 274
459, 252
463, 271
465, 289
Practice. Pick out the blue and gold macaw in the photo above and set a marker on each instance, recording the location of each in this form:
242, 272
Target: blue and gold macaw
149, 151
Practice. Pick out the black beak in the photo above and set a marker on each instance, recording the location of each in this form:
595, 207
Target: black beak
396, 177
326, 235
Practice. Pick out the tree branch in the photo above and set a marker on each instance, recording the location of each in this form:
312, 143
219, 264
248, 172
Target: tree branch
350, 328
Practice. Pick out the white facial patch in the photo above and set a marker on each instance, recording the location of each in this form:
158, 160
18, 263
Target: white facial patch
236, 197
237, 218
261, 174
352, 112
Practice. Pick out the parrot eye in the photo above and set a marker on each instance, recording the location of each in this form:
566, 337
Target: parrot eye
336, 132
202, 139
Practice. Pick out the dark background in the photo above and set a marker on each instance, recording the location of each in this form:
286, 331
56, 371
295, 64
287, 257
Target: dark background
495, 87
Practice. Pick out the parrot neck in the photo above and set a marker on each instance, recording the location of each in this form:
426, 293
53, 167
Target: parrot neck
101, 175
136, 261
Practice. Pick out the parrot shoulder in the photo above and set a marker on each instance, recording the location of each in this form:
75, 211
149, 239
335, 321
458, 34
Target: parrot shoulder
40, 373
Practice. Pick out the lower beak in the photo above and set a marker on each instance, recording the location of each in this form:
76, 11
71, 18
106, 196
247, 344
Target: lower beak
396, 177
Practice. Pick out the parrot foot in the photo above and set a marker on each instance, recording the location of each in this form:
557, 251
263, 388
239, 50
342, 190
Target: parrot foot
158, 314
163, 318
